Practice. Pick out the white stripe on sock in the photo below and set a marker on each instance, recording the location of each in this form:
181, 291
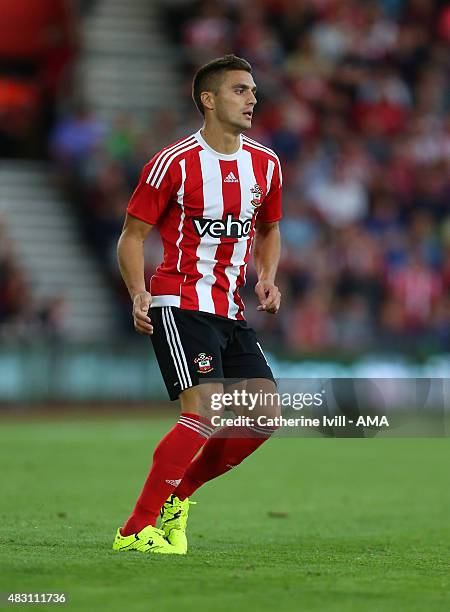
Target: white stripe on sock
204, 428
195, 429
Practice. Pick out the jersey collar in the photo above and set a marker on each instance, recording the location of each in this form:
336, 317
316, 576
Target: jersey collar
206, 146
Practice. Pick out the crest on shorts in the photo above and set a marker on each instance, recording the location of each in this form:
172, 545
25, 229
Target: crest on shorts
257, 195
203, 362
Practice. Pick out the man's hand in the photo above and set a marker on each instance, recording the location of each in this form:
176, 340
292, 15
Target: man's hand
269, 296
141, 305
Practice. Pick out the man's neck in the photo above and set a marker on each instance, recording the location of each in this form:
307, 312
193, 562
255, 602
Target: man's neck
222, 142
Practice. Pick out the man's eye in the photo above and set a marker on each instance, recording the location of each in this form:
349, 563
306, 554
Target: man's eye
239, 91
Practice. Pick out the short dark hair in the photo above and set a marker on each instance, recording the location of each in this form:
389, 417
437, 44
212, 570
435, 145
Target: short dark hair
205, 78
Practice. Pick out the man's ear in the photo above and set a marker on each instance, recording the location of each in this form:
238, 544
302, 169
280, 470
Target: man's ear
207, 98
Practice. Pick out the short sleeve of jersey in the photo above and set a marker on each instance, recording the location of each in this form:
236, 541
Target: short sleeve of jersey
156, 188
271, 207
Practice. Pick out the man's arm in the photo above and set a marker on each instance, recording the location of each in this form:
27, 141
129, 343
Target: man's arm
130, 255
266, 255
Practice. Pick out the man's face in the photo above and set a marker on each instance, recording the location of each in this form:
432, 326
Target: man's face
235, 99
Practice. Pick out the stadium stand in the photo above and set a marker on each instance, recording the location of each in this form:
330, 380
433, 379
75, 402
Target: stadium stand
60, 268
126, 63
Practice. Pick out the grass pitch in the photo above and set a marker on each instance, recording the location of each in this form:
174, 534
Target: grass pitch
304, 524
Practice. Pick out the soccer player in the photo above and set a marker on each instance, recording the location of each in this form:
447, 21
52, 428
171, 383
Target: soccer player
211, 195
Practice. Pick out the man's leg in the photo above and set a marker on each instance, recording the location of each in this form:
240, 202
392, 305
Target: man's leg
219, 455
229, 446
173, 455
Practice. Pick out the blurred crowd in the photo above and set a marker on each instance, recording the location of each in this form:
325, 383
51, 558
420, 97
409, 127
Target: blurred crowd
355, 99
38, 44
21, 315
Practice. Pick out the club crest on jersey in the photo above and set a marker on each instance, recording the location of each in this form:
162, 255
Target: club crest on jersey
257, 195
203, 362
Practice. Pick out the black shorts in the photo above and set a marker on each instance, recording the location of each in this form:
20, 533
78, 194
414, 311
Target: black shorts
192, 346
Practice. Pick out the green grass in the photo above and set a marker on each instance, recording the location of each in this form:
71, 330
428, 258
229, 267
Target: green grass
367, 528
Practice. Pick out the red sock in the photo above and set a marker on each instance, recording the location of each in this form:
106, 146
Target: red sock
171, 458
222, 452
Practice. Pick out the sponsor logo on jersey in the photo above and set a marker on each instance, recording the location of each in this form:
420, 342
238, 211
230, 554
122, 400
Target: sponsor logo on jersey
223, 228
203, 362
257, 195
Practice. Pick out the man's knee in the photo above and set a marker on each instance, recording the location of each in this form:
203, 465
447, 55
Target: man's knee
202, 399
259, 398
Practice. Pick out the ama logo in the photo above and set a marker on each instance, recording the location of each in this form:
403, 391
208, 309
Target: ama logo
223, 228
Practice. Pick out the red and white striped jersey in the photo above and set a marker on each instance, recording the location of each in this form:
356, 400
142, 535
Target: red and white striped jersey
205, 205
